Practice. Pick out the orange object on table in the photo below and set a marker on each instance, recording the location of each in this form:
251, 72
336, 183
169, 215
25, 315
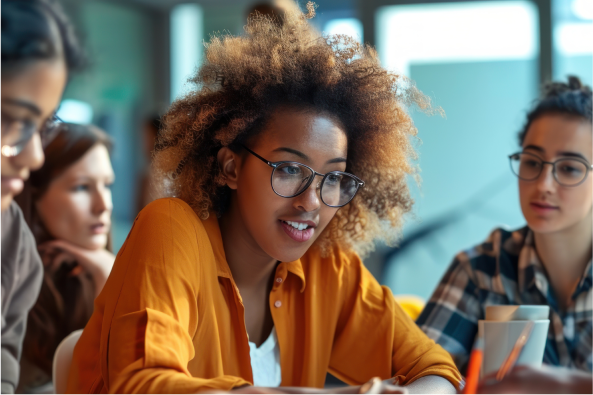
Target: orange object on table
509, 362
474, 367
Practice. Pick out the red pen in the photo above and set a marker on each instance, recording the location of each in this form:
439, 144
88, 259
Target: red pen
474, 366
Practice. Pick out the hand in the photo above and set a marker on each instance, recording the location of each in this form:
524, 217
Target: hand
544, 380
376, 386
97, 263
373, 386
245, 390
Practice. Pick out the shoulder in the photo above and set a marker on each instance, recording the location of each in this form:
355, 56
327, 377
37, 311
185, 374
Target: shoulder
167, 206
14, 226
486, 255
168, 214
484, 263
165, 225
166, 237
21, 265
18, 243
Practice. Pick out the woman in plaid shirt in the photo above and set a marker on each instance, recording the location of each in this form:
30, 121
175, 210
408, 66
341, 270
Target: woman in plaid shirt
546, 262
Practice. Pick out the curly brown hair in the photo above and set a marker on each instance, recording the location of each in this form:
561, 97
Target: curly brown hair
245, 79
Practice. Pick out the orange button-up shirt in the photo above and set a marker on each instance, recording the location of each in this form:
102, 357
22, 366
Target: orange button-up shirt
170, 318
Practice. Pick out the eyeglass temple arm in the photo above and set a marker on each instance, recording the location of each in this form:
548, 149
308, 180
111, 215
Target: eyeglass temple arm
257, 156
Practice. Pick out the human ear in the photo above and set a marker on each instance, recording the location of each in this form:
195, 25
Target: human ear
227, 161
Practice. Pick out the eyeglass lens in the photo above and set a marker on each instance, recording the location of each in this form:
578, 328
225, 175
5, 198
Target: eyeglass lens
291, 179
566, 171
16, 134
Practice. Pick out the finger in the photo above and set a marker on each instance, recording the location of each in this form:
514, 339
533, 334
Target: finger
59, 259
47, 260
76, 271
377, 387
64, 246
45, 247
392, 381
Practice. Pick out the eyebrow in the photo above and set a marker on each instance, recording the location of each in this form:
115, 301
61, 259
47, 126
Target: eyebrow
560, 153
305, 157
23, 103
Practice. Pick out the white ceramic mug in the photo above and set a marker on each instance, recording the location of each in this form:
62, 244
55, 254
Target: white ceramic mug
501, 336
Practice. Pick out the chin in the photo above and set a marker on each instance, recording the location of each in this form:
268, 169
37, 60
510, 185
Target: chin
6, 200
288, 252
288, 256
543, 226
96, 242
279, 246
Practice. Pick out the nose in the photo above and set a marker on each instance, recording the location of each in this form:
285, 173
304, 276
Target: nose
310, 199
31, 157
546, 181
102, 200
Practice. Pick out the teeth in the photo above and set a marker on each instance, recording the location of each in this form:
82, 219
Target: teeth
297, 225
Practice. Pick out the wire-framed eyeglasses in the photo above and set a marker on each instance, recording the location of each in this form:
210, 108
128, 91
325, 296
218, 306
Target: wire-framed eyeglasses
289, 179
17, 134
568, 172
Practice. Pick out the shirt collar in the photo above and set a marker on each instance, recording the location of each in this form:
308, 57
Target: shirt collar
296, 268
586, 282
532, 272
213, 230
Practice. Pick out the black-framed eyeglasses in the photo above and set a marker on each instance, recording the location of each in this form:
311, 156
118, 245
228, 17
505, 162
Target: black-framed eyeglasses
568, 172
17, 134
289, 179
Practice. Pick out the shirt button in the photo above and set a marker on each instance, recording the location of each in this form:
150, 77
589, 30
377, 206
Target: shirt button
279, 280
277, 303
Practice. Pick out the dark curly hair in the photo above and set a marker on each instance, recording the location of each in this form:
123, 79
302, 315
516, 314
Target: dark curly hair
572, 98
28, 35
246, 78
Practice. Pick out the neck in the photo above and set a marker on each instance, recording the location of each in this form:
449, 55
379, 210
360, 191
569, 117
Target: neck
250, 266
565, 255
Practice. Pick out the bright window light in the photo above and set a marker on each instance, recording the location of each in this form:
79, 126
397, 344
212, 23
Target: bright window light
186, 45
574, 38
75, 111
456, 32
347, 26
583, 9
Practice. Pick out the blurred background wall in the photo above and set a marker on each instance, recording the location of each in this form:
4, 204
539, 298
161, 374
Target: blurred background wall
482, 62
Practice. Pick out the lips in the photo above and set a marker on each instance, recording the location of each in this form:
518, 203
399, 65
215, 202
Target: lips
99, 228
299, 233
543, 208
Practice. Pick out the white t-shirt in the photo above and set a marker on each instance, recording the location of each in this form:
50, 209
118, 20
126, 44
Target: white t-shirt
265, 362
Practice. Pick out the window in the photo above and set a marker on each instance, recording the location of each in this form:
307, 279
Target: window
186, 45
478, 61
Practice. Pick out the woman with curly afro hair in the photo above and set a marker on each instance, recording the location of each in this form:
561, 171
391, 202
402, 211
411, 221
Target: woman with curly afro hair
282, 166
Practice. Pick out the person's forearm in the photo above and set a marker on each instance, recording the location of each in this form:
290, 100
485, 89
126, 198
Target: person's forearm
580, 382
348, 390
431, 385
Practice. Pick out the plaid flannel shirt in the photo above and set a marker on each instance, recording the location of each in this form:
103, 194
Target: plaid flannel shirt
506, 270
